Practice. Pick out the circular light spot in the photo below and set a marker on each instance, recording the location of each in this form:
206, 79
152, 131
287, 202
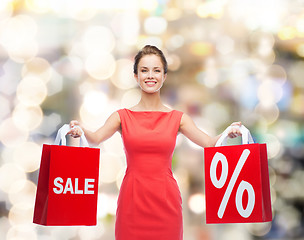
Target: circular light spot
100, 66
27, 118
28, 156
98, 39
31, 91
11, 135
37, 67
9, 174
123, 77
155, 25
197, 203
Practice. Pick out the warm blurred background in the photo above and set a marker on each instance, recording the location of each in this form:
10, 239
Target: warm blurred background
228, 60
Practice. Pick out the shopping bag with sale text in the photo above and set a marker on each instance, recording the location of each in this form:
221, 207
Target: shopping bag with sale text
237, 182
68, 183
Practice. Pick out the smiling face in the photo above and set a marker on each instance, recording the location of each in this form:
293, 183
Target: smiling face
150, 75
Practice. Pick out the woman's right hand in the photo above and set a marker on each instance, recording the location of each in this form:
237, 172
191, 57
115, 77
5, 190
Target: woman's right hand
75, 131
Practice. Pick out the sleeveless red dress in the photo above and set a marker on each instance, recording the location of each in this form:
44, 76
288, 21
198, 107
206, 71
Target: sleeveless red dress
149, 202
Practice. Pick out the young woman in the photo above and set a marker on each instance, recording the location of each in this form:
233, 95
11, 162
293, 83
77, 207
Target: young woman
149, 203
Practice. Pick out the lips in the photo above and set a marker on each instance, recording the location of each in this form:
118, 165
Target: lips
150, 83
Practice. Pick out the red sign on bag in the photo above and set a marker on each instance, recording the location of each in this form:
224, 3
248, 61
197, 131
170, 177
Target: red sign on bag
237, 184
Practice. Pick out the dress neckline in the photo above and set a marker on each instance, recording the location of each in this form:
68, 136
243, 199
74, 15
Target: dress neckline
152, 111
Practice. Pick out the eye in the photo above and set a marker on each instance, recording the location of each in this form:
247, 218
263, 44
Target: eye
144, 70
157, 70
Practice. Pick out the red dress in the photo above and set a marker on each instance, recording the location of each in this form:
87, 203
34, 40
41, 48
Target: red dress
149, 202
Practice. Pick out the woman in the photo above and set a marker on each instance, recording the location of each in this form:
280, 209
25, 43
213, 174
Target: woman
149, 203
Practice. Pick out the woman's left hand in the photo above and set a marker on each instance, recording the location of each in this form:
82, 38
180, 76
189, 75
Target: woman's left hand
235, 130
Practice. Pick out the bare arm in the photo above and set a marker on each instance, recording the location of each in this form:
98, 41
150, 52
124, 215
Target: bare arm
111, 126
191, 131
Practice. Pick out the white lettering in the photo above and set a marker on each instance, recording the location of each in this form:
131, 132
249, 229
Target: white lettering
62, 187
87, 185
77, 191
68, 186
57, 182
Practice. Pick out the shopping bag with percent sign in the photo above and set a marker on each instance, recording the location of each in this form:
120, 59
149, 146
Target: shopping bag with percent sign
237, 181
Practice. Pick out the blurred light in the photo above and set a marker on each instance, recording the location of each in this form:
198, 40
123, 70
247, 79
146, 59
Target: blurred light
6, 9
11, 135
287, 33
174, 42
130, 98
110, 166
274, 147
95, 102
148, 5
28, 156
31, 91
92, 233
98, 40
17, 231
269, 93
4, 107
120, 176
123, 77
174, 62
225, 45
212, 9
144, 40
10, 173
114, 145
270, 113
27, 118
155, 25
55, 85
37, 67
197, 203
80, 10
107, 205
126, 27
69, 67
259, 229
201, 49
22, 192
17, 37
296, 71
22, 214
216, 113
300, 50
94, 120
278, 74
25, 51
297, 103
100, 66
38, 6
173, 14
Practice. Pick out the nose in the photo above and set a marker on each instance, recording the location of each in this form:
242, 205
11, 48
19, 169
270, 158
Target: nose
150, 74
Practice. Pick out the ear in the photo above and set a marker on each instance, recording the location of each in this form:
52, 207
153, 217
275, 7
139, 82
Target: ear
165, 77
136, 77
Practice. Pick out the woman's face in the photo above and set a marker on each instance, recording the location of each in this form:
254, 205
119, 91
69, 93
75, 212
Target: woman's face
150, 76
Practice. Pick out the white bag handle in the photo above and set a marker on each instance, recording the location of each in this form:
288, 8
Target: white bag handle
62, 132
246, 136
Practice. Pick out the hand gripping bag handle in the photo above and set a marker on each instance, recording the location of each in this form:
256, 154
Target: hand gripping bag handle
246, 136
62, 132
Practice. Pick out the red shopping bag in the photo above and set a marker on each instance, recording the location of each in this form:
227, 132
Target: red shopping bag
67, 185
237, 182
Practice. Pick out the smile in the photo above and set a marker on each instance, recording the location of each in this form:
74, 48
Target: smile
150, 83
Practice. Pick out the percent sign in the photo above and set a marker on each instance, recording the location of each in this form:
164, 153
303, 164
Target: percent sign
219, 183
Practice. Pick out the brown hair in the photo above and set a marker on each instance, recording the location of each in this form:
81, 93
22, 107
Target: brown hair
150, 50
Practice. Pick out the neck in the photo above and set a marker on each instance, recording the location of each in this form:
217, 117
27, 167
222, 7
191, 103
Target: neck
151, 102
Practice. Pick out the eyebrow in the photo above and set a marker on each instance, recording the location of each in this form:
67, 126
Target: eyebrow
147, 67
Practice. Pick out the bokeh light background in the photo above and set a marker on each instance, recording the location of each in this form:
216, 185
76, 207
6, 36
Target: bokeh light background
228, 60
